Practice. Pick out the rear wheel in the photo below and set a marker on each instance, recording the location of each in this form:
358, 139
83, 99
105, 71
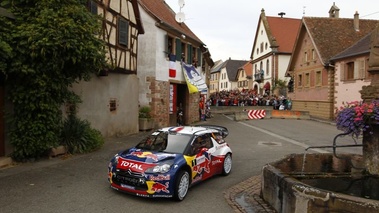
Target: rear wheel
227, 166
181, 185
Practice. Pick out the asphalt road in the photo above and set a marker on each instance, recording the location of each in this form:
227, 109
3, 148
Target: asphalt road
79, 183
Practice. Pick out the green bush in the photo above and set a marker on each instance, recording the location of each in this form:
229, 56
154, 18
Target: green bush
144, 112
78, 136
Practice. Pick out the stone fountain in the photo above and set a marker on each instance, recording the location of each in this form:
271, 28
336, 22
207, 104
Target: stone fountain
301, 183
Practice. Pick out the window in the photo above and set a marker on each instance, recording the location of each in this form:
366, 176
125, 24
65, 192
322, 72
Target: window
112, 105
313, 55
299, 81
266, 46
318, 78
354, 70
267, 67
92, 7
350, 71
123, 32
307, 79
305, 56
262, 47
170, 45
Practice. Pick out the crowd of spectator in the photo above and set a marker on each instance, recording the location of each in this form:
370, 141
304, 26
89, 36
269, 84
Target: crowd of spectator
249, 98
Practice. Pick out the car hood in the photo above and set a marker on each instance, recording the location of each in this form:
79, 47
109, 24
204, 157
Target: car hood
139, 160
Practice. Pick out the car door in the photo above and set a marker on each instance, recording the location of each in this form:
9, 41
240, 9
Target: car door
202, 148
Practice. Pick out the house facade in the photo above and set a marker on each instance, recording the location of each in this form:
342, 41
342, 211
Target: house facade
110, 100
215, 76
352, 73
311, 69
272, 50
244, 77
163, 48
228, 74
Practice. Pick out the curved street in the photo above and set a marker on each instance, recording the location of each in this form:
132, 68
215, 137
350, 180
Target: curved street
79, 183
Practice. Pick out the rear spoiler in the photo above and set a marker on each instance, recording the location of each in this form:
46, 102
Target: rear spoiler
223, 130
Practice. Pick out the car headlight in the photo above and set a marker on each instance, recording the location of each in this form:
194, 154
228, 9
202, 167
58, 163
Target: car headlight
114, 160
162, 168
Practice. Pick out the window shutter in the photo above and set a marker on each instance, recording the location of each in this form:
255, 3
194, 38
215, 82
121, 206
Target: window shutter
123, 31
362, 70
166, 45
199, 56
342, 71
189, 55
356, 70
178, 50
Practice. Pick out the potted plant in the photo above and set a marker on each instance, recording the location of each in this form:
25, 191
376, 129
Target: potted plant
145, 119
357, 117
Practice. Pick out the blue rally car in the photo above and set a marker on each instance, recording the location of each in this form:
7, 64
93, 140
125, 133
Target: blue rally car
170, 160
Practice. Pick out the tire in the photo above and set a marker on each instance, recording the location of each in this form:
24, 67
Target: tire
227, 165
181, 185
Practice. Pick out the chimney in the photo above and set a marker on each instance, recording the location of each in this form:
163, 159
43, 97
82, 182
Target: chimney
356, 21
334, 11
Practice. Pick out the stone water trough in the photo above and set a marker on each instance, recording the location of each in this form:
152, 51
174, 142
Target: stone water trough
301, 183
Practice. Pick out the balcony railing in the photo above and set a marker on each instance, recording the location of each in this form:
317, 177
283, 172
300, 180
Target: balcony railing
259, 76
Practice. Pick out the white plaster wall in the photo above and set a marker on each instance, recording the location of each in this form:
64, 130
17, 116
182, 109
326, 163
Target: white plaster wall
284, 61
261, 37
147, 54
347, 91
96, 95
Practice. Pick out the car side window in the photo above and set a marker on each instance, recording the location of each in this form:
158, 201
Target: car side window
207, 141
218, 137
203, 141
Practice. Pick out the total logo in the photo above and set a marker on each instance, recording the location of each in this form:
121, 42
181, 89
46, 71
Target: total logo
133, 165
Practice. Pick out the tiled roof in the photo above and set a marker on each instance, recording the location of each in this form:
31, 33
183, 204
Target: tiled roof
360, 47
218, 66
333, 35
284, 30
162, 12
248, 67
232, 67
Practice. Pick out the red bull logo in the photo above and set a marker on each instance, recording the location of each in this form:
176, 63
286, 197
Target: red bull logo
158, 187
145, 155
202, 164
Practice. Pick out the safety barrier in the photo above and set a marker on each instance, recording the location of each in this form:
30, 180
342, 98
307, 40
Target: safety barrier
289, 114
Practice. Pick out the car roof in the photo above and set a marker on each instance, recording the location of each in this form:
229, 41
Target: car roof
190, 130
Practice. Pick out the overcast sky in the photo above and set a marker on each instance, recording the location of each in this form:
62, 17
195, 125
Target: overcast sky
228, 27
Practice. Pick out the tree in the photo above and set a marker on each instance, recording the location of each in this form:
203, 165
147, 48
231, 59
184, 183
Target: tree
55, 44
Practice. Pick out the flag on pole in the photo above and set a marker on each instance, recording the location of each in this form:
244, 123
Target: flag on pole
172, 66
193, 78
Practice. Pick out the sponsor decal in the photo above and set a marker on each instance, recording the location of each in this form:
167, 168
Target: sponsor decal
145, 155
202, 164
159, 177
158, 187
162, 195
126, 186
218, 161
132, 165
142, 195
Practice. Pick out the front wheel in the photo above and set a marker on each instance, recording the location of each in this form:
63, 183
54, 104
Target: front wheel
227, 166
181, 185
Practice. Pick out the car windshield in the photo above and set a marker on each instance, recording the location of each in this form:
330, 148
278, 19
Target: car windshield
164, 142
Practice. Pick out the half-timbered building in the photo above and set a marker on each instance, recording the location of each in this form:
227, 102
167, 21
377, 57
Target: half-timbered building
110, 100
162, 49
